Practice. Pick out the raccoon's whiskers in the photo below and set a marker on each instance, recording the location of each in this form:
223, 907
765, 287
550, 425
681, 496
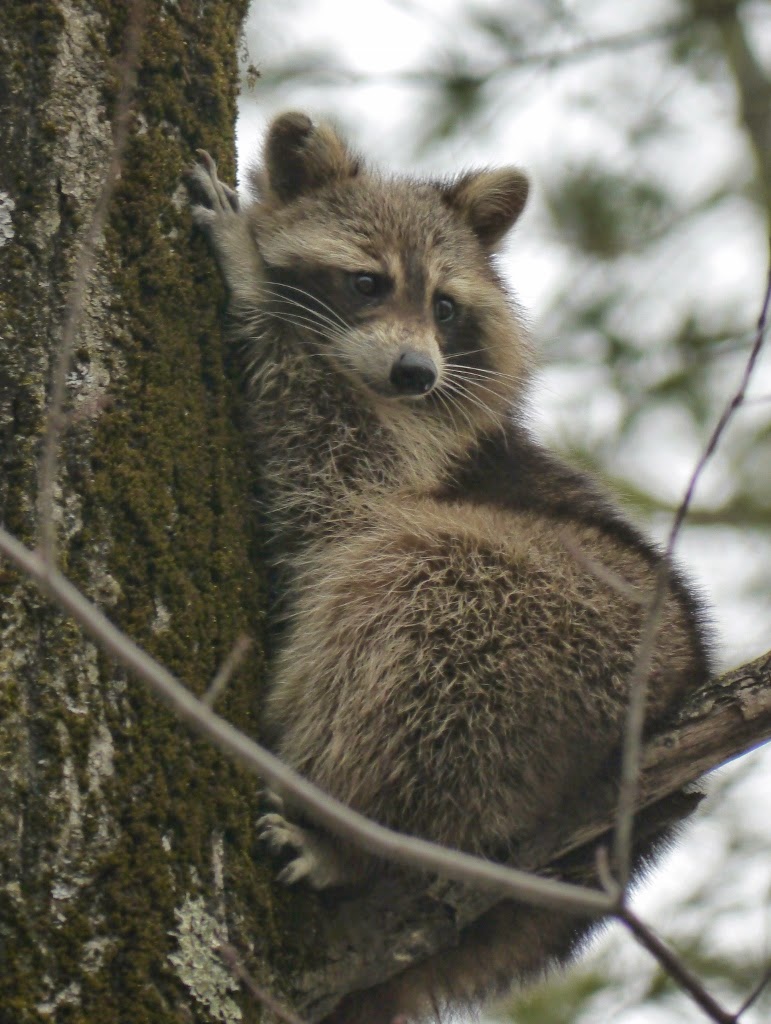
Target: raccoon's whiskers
276, 287
307, 322
335, 326
458, 389
484, 371
476, 385
461, 381
453, 406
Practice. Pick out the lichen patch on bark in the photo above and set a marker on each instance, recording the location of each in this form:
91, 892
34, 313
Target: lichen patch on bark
198, 935
7, 206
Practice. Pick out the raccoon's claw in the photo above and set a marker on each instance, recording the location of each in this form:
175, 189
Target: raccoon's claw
215, 197
298, 870
315, 862
277, 833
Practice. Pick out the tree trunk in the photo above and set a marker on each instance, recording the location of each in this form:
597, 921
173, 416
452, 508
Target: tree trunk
127, 848
125, 844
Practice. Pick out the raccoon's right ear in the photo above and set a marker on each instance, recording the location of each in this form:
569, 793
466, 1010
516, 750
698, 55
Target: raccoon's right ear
490, 201
301, 156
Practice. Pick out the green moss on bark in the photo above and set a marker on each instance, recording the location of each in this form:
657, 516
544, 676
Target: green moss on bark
163, 533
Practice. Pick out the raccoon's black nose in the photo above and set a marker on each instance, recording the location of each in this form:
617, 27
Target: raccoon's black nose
413, 373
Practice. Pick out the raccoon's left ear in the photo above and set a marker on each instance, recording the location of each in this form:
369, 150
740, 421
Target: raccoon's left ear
301, 156
491, 201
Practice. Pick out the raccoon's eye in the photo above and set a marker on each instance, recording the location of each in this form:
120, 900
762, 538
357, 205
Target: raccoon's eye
370, 285
444, 309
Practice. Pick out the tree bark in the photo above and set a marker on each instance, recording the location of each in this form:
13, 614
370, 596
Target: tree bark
124, 843
127, 848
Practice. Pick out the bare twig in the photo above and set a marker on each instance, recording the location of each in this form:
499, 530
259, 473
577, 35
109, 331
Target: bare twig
757, 400
674, 967
633, 731
233, 962
755, 994
224, 675
605, 875
605, 575
630, 768
377, 840
56, 420
731, 407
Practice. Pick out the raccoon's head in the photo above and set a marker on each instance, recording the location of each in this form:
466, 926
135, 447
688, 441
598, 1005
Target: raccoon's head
392, 278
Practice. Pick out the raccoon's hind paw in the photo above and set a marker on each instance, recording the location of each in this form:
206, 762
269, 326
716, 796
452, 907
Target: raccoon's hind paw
215, 198
315, 860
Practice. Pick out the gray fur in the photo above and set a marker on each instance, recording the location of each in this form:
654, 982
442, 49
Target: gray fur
448, 665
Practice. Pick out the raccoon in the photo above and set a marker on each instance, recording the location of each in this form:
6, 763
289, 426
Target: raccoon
447, 665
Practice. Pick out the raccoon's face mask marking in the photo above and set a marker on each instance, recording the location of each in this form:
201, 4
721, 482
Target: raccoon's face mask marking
392, 280
359, 320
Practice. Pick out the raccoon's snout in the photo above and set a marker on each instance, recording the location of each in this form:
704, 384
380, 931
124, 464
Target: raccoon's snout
413, 373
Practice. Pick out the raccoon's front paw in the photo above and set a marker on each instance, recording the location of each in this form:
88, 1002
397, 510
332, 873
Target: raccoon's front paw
215, 209
216, 198
314, 859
